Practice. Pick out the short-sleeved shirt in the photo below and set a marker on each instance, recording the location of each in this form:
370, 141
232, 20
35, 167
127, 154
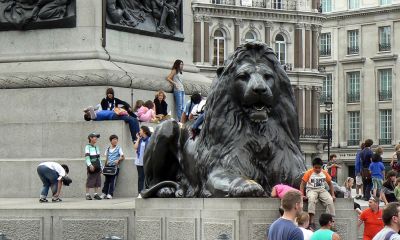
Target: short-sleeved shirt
113, 154
373, 222
366, 156
382, 234
282, 189
376, 169
283, 229
316, 180
55, 167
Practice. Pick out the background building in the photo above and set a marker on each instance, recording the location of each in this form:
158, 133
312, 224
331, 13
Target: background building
290, 27
358, 53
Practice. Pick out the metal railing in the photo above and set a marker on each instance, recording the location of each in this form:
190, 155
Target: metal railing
325, 52
313, 133
353, 142
385, 95
325, 98
385, 141
353, 97
223, 2
353, 50
384, 47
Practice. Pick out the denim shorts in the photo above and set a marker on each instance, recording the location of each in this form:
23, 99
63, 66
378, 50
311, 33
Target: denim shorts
377, 183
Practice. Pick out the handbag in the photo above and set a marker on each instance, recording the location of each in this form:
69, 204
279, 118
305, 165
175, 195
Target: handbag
120, 111
110, 170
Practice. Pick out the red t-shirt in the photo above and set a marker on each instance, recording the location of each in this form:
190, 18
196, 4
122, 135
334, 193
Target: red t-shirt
373, 223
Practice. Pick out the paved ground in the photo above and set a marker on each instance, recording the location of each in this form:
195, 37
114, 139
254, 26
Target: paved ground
67, 203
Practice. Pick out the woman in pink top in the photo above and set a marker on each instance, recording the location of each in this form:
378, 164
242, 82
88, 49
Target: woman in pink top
147, 113
280, 190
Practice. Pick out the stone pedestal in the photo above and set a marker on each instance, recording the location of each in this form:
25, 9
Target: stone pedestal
153, 219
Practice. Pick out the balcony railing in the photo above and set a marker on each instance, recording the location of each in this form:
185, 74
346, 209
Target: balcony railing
384, 47
274, 4
353, 142
325, 52
325, 98
385, 141
313, 133
353, 97
287, 67
385, 95
353, 50
223, 2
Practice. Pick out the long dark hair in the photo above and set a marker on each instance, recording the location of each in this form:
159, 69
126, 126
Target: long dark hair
177, 66
146, 130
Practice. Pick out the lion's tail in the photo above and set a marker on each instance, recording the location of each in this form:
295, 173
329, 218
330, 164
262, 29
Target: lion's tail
152, 191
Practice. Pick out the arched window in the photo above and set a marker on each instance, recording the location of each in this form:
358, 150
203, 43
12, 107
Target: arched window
219, 48
250, 37
280, 48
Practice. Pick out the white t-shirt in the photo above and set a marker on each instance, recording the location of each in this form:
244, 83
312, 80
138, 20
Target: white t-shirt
198, 108
382, 234
56, 167
306, 233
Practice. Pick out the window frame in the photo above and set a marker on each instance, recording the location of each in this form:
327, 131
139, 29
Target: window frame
325, 44
353, 86
385, 126
385, 45
385, 81
354, 127
326, 6
216, 47
278, 47
353, 45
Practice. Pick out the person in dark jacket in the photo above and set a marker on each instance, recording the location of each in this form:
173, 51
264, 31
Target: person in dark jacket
110, 102
161, 105
140, 147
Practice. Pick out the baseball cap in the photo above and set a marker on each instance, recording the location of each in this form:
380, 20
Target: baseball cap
93, 134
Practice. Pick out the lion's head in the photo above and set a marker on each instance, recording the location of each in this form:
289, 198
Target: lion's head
252, 88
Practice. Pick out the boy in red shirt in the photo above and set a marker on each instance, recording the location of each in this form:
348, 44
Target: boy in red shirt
314, 180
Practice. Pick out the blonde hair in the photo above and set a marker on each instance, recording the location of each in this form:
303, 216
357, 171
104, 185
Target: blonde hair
161, 92
302, 218
397, 148
347, 182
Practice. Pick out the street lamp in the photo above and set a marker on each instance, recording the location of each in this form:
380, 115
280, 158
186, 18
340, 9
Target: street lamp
328, 109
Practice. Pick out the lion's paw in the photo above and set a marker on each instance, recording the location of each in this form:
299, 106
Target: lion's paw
246, 188
166, 192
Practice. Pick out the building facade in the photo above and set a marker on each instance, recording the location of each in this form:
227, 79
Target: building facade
290, 27
359, 54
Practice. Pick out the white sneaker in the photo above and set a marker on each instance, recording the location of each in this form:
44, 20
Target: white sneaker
139, 196
102, 196
109, 196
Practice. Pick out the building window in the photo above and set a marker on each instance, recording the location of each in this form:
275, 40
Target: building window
385, 84
353, 87
325, 42
385, 2
250, 37
280, 48
354, 4
219, 48
277, 4
384, 38
247, 3
228, 2
326, 6
354, 128
326, 94
385, 129
352, 42
323, 123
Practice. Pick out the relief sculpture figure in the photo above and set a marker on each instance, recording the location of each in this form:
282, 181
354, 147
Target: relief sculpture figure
22, 12
249, 141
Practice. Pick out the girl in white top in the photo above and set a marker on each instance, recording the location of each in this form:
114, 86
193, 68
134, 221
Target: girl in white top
303, 221
175, 78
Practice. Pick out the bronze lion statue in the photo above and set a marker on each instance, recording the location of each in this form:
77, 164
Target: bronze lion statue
249, 140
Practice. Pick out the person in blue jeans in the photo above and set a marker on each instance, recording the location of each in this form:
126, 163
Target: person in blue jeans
53, 175
175, 78
140, 146
114, 157
91, 113
377, 170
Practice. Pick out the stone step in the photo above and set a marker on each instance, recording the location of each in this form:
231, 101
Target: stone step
22, 174
60, 139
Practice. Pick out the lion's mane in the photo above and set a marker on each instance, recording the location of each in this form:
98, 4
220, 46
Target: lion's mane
228, 131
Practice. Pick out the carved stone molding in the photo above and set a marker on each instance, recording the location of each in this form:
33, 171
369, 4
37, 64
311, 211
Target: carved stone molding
268, 24
316, 28
238, 21
299, 25
308, 26
198, 18
94, 78
252, 26
29, 15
